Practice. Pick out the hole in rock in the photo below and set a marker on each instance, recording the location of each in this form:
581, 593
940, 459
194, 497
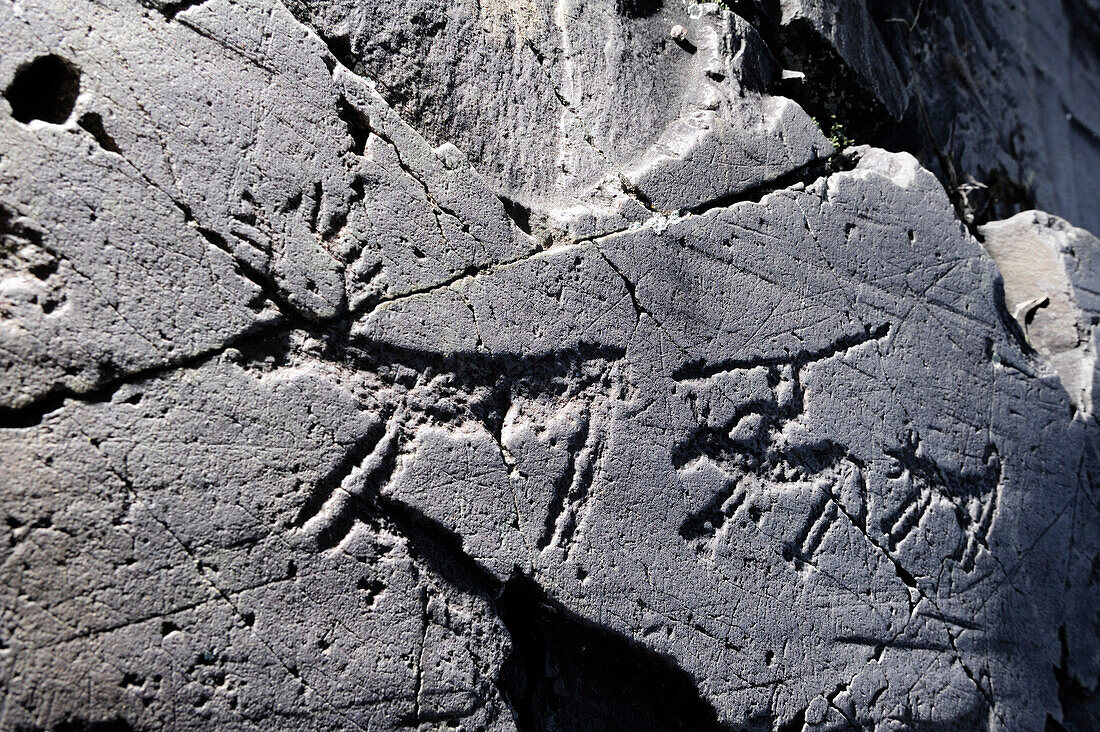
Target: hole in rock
93, 125
44, 89
357, 123
372, 588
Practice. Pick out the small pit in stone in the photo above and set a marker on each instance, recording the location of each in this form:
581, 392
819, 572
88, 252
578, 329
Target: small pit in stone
44, 89
357, 123
92, 123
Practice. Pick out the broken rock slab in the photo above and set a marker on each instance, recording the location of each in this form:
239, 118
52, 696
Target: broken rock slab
998, 97
1050, 288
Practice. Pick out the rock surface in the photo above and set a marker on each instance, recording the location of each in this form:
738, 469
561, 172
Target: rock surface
999, 97
512, 365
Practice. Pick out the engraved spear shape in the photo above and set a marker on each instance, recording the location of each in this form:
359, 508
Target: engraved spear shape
354, 490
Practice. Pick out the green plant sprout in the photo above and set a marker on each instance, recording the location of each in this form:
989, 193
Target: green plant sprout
835, 132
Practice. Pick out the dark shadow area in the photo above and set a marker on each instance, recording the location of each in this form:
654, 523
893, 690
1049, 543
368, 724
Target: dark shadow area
848, 109
638, 8
44, 89
567, 674
564, 673
519, 213
1080, 706
357, 123
92, 123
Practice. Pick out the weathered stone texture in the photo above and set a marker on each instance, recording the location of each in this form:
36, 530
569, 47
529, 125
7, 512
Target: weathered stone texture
512, 365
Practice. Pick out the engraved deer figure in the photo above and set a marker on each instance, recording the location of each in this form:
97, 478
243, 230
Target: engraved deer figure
746, 440
418, 388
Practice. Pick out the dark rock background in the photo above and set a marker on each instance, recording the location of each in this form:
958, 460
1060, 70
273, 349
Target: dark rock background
508, 364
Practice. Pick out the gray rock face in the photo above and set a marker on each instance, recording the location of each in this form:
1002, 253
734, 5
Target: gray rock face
1047, 266
587, 99
998, 97
606, 395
